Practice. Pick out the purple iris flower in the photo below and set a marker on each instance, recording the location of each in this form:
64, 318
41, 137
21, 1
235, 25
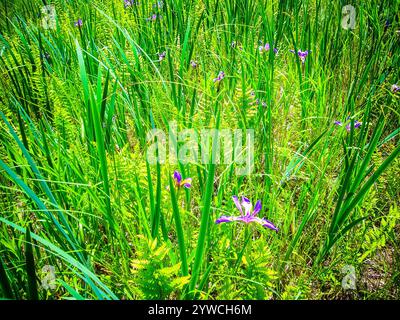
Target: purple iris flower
357, 124
153, 17
78, 23
187, 182
248, 216
395, 88
162, 56
302, 54
128, 3
221, 75
266, 47
257, 101
193, 63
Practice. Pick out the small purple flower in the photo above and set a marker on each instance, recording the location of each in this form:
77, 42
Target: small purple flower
266, 48
187, 182
78, 23
128, 3
248, 216
153, 17
193, 64
357, 124
162, 56
395, 88
256, 101
220, 76
302, 55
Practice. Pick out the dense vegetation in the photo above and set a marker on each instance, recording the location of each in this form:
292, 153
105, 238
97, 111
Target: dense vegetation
85, 215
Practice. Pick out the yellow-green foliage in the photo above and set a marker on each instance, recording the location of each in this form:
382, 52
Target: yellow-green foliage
378, 233
154, 276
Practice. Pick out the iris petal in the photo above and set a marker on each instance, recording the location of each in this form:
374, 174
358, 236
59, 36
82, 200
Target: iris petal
187, 183
269, 224
236, 201
223, 219
257, 208
177, 177
247, 218
246, 205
